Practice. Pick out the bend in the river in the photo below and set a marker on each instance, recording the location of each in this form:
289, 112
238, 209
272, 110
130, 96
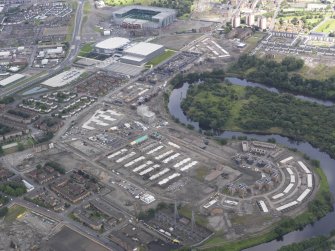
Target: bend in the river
324, 225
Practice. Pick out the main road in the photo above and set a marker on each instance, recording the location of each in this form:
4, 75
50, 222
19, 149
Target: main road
275, 14
74, 47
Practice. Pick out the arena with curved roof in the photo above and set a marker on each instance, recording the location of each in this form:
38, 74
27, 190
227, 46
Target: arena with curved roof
111, 45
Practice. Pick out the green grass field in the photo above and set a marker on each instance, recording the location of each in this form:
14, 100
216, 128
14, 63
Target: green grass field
201, 173
87, 48
235, 109
327, 26
320, 43
319, 72
254, 40
87, 7
21, 145
14, 212
70, 27
159, 59
127, 2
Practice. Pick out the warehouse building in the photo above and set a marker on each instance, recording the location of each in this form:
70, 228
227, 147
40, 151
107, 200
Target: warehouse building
144, 17
111, 45
141, 53
11, 79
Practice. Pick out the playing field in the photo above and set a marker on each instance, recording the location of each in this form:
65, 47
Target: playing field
327, 26
127, 2
159, 59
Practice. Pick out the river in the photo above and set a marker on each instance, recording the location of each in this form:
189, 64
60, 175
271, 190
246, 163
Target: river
237, 81
323, 226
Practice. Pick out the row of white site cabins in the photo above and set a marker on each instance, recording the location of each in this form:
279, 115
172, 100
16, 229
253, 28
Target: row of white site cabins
301, 197
149, 166
287, 206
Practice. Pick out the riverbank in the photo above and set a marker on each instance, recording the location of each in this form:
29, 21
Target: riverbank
283, 75
283, 227
316, 243
320, 227
244, 82
230, 107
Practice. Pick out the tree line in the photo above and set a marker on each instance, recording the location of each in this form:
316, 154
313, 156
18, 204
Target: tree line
7, 100
214, 76
4, 129
300, 120
283, 75
319, 243
12, 188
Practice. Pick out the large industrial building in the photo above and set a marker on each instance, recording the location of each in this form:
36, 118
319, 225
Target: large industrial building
111, 45
144, 17
141, 53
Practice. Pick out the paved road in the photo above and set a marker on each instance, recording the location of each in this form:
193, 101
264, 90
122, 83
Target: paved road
72, 53
272, 24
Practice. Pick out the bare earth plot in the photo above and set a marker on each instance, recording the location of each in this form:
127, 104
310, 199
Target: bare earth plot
176, 41
69, 240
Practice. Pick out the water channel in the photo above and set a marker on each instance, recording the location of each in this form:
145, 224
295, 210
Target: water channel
323, 226
237, 81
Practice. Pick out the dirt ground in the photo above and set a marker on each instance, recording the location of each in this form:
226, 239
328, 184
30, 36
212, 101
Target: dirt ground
185, 25
69, 240
26, 233
176, 42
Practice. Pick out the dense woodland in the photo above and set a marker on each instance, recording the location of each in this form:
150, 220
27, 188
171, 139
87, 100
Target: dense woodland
3, 211
3, 199
284, 76
223, 106
19, 113
4, 129
56, 166
13, 188
7, 100
215, 76
209, 104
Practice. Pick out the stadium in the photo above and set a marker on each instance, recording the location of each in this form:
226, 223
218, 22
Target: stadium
144, 17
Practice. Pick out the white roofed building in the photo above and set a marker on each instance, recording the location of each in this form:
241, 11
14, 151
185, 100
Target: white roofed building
57, 50
11, 79
111, 45
141, 53
4, 54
